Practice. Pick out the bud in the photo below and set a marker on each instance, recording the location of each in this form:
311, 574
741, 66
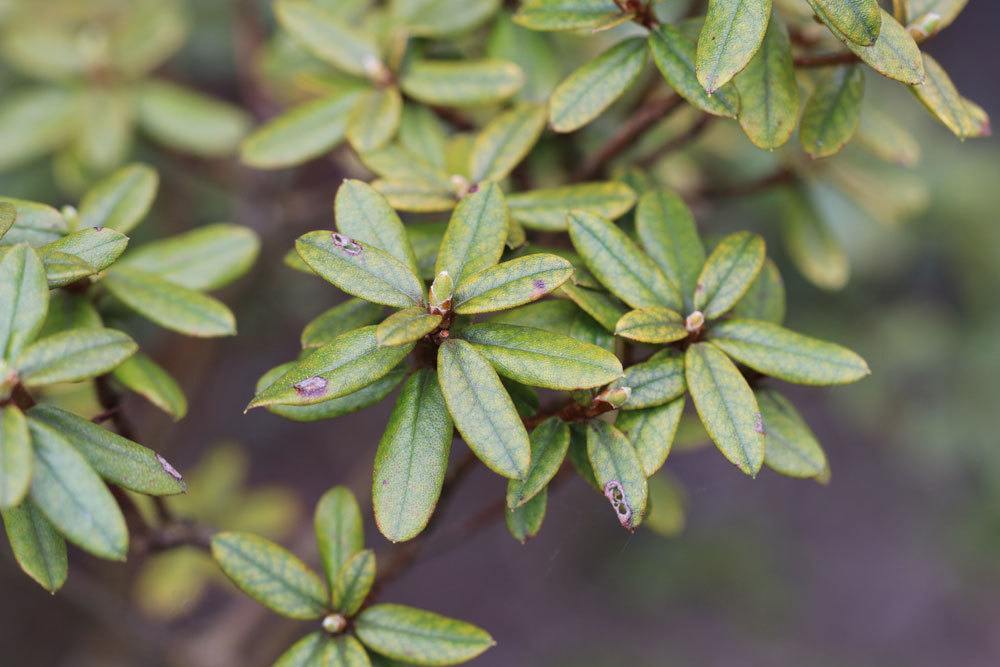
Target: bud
334, 623
442, 289
694, 322
924, 26
615, 396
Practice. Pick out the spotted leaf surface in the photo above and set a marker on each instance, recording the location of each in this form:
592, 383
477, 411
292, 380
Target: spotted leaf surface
419, 637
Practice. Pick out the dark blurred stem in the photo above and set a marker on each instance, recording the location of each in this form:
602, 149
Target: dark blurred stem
826, 60
782, 176
678, 142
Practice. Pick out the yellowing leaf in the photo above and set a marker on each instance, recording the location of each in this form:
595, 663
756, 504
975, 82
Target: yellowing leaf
732, 33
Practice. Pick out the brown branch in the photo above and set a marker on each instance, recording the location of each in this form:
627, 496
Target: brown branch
826, 60
781, 176
678, 142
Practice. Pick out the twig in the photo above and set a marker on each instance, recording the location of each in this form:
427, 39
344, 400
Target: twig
782, 176
826, 60
677, 142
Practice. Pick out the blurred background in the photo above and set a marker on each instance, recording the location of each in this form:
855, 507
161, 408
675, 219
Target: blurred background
895, 562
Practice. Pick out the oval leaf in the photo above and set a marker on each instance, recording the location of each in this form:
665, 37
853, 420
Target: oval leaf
121, 200
769, 93
860, 21
668, 233
70, 356
475, 236
364, 214
549, 443
732, 33
654, 382
38, 548
353, 582
343, 317
15, 456
374, 119
547, 209
145, 377
327, 37
339, 530
674, 55
461, 82
832, 114
24, 299
406, 326
792, 449
728, 273
505, 141
651, 432
652, 325
618, 472
510, 284
525, 521
419, 637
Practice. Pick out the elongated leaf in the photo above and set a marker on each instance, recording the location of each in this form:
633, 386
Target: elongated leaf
769, 93
35, 224
339, 530
38, 548
810, 242
668, 233
895, 54
321, 650
334, 407
939, 95
674, 55
773, 350
652, 325
860, 21
360, 269
651, 432
364, 215
419, 637
145, 377
412, 459
374, 119
726, 405
792, 449
73, 355
605, 309
203, 259
189, 121
349, 362
353, 582
559, 316
8, 214
15, 457
765, 300
565, 14
420, 195
524, 521
832, 114
328, 38
98, 248
728, 273
121, 200
116, 459
510, 284
73, 498
436, 18
551, 360
475, 236
300, 134
406, 326
547, 209
169, 305
732, 34
61, 269
927, 17
618, 263
270, 574
343, 317
618, 472
422, 134
482, 410
461, 82
505, 141
592, 88
654, 382
24, 299
36, 121
549, 443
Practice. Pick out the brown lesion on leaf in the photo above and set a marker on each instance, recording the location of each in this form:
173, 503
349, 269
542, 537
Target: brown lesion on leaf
313, 387
347, 244
538, 288
758, 424
615, 493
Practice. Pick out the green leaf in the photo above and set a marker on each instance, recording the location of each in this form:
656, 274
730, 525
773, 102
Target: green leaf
559, 316
511, 283
353, 582
577, 454
457, 83
652, 325
618, 263
270, 574
145, 377
728, 273
590, 90
35, 224
364, 215
651, 432
565, 14
349, 362
412, 459
769, 93
887, 138
189, 121
73, 497
422, 134
374, 119
895, 54
121, 200
438, 18
524, 521
476, 234
792, 449
98, 248
726, 405
618, 472
938, 13
832, 113
505, 142
549, 443
24, 299
482, 410
320, 650
605, 309
406, 326
15, 457
860, 21
732, 33
360, 269
811, 244
69, 311
119, 460
324, 34
674, 55
343, 317
334, 407
765, 300
73, 355
773, 350
8, 214
300, 134
419, 195
654, 382
938, 94
205, 258
36, 121
170, 305
668, 233
548, 360
419, 637
39, 549
546, 209
339, 530
61, 269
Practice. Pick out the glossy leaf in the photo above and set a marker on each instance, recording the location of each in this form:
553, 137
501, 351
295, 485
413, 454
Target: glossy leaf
180, 118
73, 355
351, 314
669, 235
419, 637
121, 200
482, 410
652, 325
505, 142
270, 574
769, 93
374, 119
475, 236
765, 300
728, 273
24, 299
549, 443
15, 456
731, 35
792, 449
939, 95
565, 14
651, 432
674, 55
145, 377
654, 382
328, 37
726, 406
547, 209
617, 468
38, 548
524, 521
406, 326
511, 283
461, 83
353, 582
860, 21
98, 248
364, 215
339, 530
